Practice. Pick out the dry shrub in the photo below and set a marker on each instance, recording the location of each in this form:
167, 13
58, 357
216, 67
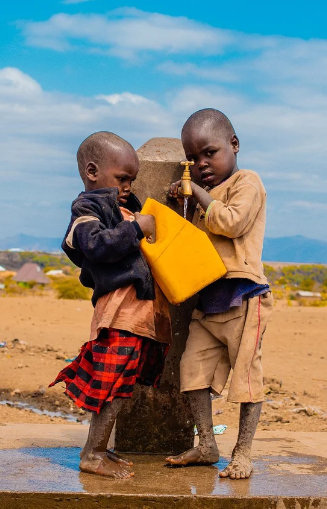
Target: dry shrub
312, 303
70, 288
318, 303
12, 288
278, 294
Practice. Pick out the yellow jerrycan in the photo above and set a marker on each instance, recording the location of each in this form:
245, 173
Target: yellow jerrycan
182, 258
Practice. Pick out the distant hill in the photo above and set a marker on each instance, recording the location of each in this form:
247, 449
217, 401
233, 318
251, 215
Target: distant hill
13, 261
295, 249
30, 243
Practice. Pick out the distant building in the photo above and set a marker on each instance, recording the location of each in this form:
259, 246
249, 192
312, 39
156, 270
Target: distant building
308, 295
31, 272
55, 272
16, 250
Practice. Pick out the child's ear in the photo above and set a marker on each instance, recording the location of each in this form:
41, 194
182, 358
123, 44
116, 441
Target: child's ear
92, 171
235, 143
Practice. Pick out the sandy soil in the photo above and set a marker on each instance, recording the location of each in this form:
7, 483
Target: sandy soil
50, 331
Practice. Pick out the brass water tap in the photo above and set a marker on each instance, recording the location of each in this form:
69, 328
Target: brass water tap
186, 188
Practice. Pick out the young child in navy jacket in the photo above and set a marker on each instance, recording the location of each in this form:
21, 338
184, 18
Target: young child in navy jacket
126, 343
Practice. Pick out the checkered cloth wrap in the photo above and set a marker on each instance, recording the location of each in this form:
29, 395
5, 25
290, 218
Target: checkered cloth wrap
109, 367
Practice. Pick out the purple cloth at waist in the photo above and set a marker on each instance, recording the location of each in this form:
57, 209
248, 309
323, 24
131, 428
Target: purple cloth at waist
224, 294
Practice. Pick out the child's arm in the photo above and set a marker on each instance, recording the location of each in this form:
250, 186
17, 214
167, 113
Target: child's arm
234, 218
88, 235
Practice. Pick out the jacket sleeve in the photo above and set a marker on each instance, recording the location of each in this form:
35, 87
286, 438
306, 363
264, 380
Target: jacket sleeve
235, 218
100, 244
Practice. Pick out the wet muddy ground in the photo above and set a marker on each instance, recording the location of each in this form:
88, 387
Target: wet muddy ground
43, 333
284, 466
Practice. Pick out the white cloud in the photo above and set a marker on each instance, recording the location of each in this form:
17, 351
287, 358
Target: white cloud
275, 63
124, 97
39, 127
41, 132
309, 205
15, 83
282, 142
208, 73
46, 123
292, 72
272, 88
126, 32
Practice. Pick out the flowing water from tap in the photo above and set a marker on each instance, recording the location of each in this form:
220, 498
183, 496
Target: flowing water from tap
185, 206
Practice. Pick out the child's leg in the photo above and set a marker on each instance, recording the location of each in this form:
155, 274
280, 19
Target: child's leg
241, 466
247, 379
207, 451
95, 459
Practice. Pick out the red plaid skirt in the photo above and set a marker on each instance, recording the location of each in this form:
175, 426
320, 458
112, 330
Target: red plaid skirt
109, 367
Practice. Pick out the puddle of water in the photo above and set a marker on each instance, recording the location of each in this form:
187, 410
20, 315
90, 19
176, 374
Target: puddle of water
56, 469
39, 469
27, 406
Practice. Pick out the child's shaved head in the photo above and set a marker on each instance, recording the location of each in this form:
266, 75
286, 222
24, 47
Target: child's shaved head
99, 148
209, 119
209, 140
106, 161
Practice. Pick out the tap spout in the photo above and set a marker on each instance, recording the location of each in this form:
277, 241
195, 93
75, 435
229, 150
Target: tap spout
186, 188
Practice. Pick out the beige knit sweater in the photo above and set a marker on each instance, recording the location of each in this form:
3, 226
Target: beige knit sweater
235, 224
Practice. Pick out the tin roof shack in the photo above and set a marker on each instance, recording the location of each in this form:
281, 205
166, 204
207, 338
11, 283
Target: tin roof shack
306, 298
308, 295
30, 274
55, 272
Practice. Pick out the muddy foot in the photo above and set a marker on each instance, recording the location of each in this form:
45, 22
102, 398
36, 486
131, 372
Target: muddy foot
118, 459
195, 456
239, 468
99, 464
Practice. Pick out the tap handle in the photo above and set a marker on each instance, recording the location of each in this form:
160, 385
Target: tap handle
186, 188
186, 164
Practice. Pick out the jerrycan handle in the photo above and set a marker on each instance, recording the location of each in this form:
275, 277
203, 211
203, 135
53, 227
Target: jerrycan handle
168, 225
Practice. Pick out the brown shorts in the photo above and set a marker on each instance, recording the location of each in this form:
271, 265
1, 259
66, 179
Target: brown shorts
221, 341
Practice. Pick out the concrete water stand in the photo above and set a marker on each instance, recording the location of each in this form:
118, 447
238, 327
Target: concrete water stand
39, 469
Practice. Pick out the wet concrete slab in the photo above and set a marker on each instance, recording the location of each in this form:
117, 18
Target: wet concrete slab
39, 468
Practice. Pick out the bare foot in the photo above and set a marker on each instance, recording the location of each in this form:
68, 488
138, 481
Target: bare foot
196, 456
118, 459
99, 464
239, 468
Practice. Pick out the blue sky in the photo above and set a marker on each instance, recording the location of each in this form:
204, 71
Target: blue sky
69, 68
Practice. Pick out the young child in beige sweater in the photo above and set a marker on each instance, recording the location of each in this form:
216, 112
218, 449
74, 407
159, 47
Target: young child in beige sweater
228, 325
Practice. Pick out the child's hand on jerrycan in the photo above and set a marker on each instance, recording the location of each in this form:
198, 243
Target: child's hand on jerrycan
147, 224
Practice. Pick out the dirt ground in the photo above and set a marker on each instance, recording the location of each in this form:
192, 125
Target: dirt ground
50, 332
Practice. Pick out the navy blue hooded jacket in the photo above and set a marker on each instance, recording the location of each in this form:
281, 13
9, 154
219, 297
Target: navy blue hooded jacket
105, 247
